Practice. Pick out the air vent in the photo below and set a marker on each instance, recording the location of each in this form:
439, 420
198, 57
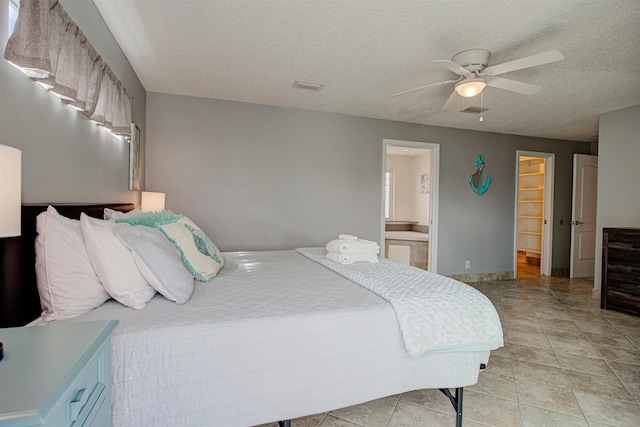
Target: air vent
308, 85
474, 110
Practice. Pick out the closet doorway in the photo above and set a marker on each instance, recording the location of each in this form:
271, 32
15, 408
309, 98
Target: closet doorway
534, 213
410, 202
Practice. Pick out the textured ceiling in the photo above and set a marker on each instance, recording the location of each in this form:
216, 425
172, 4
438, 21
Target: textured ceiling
363, 51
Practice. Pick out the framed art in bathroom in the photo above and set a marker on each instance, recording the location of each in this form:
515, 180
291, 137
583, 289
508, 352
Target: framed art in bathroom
425, 183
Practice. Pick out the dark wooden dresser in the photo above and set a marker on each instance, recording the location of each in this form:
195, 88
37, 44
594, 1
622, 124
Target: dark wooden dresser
621, 270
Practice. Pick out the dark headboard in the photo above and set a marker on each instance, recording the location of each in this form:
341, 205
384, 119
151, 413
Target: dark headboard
19, 300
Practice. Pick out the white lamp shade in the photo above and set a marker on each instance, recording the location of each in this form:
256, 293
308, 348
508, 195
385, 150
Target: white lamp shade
152, 201
10, 191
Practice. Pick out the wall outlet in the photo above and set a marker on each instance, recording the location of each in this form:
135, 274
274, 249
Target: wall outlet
467, 264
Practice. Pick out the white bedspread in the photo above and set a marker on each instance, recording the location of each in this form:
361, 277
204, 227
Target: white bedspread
274, 336
435, 313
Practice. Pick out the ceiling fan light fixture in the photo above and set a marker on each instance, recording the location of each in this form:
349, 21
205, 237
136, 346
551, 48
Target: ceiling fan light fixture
470, 87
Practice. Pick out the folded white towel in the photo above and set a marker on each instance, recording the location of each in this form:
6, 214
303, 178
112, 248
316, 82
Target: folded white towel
353, 247
350, 259
347, 237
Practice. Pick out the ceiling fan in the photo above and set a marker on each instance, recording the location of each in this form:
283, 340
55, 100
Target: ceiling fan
474, 75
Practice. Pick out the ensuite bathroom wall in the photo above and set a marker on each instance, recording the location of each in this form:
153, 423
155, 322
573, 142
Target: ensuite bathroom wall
407, 228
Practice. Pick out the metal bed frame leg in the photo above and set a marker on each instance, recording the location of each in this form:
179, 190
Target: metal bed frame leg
285, 423
456, 402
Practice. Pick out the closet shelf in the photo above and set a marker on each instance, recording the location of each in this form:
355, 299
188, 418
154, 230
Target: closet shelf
532, 174
530, 206
533, 233
535, 251
530, 188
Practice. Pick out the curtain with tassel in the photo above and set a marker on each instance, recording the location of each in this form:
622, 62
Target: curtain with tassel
50, 48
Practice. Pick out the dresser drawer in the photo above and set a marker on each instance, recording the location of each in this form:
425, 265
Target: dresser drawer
625, 257
623, 241
92, 408
621, 270
622, 301
57, 375
99, 415
83, 394
623, 276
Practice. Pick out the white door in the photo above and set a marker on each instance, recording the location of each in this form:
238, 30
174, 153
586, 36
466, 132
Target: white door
583, 216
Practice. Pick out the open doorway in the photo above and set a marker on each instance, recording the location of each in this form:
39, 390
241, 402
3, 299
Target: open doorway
409, 211
534, 213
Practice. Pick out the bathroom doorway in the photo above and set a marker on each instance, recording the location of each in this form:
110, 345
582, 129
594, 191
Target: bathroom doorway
409, 203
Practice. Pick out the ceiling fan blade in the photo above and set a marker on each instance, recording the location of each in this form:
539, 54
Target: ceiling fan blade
453, 98
452, 66
422, 87
526, 62
513, 85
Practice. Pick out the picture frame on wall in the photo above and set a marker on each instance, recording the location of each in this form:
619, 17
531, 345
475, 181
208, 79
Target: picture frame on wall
425, 183
134, 158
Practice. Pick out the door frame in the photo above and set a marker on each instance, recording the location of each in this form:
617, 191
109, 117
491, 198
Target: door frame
547, 211
433, 202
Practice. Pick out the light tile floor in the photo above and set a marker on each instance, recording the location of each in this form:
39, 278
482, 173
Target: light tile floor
565, 363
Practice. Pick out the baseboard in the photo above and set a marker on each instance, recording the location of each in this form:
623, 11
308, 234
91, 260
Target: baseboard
503, 275
484, 277
562, 271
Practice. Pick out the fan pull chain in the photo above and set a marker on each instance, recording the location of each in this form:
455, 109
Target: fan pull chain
481, 109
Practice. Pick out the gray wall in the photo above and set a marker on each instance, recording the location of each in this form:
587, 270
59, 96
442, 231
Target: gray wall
65, 157
618, 155
257, 177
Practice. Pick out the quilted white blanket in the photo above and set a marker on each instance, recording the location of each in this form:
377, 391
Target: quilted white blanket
274, 336
435, 313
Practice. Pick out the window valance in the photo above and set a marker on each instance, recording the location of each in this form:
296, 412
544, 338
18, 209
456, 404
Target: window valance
50, 48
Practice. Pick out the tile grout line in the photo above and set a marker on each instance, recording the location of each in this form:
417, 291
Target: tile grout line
584, 417
395, 407
573, 392
513, 371
607, 361
584, 333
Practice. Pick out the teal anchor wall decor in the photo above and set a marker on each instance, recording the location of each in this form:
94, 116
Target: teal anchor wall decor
475, 180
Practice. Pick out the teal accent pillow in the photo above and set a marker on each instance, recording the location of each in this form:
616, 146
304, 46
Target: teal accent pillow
150, 219
198, 252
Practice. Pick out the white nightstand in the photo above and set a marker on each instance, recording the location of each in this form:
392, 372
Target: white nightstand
56, 375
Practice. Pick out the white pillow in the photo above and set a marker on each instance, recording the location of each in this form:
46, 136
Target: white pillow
111, 215
114, 264
67, 284
158, 261
199, 254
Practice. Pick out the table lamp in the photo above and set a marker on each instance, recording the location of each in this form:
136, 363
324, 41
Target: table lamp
151, 201
10, 196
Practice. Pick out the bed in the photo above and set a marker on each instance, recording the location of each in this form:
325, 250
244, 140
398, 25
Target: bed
274, 336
